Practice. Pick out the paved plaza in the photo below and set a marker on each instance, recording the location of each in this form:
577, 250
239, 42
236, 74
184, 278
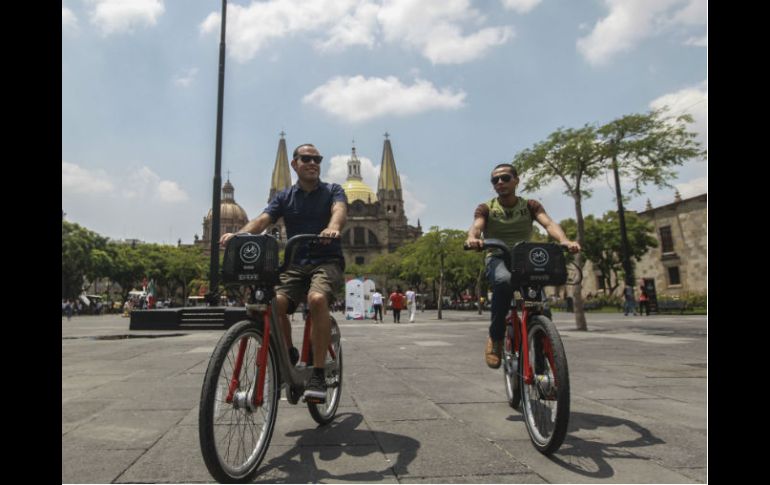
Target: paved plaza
418, 406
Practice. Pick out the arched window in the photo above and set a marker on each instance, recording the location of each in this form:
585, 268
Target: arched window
373, 239
358, 236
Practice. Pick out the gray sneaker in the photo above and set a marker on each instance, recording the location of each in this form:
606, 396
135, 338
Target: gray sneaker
315, 391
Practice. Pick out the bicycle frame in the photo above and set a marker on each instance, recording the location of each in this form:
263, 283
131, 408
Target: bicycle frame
520, 335
291, 375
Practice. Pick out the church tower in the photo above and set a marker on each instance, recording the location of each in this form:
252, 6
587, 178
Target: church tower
281, 180
390, 197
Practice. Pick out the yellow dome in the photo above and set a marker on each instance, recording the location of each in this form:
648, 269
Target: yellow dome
230, 211
357, 190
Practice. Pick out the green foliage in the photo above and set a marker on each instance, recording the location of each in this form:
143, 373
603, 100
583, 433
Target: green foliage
77, 245
602, 245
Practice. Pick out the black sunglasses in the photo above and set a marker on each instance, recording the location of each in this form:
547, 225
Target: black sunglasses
505, 178
310, 158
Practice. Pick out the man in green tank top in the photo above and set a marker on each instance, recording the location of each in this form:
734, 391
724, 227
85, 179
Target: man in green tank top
509, 218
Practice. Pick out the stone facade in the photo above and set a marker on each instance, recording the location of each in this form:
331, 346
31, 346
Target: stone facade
232, 217
680, 262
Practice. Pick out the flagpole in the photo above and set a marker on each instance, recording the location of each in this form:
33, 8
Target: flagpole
213, 295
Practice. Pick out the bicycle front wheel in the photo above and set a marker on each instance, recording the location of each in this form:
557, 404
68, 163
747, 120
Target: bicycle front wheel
234, 433
545, 402
324, 413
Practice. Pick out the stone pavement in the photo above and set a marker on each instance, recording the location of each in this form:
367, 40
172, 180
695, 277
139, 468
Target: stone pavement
418, 406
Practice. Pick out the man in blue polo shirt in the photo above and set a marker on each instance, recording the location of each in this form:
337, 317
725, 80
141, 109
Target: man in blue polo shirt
308, 207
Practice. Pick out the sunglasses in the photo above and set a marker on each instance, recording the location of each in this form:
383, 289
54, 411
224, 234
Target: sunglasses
310, 158
505, 178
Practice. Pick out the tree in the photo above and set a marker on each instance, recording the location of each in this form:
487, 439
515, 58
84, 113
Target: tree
645, 147
602, 243
571, 156
77, 243
184, 266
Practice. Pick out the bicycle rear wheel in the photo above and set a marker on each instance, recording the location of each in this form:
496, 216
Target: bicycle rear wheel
324, 413
234, 436
546, 401
511, 366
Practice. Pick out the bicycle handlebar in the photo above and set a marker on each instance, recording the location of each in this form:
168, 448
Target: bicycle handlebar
291, 248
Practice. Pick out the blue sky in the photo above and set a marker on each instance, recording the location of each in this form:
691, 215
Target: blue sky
459, 85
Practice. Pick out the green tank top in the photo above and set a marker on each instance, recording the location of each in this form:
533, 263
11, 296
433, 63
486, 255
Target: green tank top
510, 224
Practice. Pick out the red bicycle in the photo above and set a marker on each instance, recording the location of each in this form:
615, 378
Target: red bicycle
251, 362
534, 362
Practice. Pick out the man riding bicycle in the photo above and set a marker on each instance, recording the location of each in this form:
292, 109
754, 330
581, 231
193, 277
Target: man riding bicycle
308, 207
509, 218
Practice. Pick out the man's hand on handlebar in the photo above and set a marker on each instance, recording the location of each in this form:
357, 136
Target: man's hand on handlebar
328, 234
573, 246
225, 237
474, 243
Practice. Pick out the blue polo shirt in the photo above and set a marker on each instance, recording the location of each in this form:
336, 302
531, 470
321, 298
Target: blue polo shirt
308, 213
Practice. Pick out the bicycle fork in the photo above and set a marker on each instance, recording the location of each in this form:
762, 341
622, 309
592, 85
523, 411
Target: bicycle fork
257, 398
543, 380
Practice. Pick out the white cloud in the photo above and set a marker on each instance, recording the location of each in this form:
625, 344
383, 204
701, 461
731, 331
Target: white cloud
631, 21
692, 100
433, 27
694, 187
186, 78
698, 41
356, 28
137, 184
520, 6
360, 99
76, 180
119, 16
69, 22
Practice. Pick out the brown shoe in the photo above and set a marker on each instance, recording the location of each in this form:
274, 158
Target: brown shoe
493, 353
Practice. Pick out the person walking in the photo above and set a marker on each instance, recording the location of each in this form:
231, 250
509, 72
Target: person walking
411, 303
644, 301
397, 304
629, 303
377, 304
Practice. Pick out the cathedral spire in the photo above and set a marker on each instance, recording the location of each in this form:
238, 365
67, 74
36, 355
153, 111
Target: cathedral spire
389, 179
281, 175
354, 166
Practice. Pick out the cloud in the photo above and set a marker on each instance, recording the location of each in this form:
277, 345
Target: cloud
698, 41
186, 78
358, 98
119, 16
631, 21
694, 187
141, 184
76, 180
433, 27
520, 6
692, 100
69, 22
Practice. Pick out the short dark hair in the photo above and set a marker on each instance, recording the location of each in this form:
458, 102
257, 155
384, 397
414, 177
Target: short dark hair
509, 166
296, 150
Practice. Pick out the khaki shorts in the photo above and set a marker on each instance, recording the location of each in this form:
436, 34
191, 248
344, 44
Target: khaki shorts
298, 281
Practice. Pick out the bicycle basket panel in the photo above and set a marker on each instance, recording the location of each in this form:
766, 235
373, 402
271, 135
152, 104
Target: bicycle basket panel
539, 264
251, 259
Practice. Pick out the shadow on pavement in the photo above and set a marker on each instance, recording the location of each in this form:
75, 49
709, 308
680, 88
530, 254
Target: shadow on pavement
589, 457
298, 465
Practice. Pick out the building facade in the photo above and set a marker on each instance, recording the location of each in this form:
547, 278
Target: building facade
680, 262
232, 217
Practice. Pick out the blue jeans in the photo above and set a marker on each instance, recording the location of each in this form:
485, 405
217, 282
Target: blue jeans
629, 307
502, 293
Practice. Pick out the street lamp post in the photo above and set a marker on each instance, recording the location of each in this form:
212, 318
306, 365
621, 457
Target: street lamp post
213, 295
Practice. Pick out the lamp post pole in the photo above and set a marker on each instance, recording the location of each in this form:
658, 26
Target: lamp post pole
213, 294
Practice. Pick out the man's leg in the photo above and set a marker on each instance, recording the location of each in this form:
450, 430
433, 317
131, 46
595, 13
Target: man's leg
320, 332
502, 293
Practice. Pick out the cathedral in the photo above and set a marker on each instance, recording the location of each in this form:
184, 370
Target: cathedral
377, 222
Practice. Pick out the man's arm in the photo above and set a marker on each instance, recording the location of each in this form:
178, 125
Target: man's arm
337, 221
479, 224
555, 231
254, 226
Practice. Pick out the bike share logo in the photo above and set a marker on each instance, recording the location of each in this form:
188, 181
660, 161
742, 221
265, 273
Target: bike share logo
250, 252
538, 257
